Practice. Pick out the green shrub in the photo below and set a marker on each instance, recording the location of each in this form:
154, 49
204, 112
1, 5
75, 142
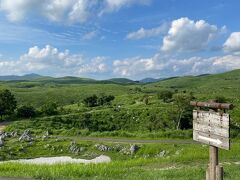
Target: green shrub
26, 112
50, 108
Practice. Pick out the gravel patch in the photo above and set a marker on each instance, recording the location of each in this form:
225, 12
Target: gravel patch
61, 160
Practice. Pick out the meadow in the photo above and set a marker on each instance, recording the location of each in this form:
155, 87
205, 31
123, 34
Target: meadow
138, 111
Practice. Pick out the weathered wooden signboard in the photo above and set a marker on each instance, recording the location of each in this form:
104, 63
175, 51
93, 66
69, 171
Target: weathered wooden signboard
211, 128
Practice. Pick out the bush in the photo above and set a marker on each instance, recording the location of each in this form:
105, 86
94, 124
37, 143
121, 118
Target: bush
26, 112
50, 108
165, 95
93, 101
8, 103
105, 100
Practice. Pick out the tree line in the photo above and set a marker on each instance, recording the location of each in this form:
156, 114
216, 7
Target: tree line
8, 105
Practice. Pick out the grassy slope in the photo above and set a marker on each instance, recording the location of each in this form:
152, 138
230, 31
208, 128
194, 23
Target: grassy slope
192, 160
204, 87
180, 162
208, 87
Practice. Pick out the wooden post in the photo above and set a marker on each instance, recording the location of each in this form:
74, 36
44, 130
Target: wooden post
213, 162
212, 128
207, 173
219, 173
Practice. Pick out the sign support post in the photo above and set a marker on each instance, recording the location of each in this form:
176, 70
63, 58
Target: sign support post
212, 128
213, 161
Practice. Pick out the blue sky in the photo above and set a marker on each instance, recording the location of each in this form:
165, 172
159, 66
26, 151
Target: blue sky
119, 38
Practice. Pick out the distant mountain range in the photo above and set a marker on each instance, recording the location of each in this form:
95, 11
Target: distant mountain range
150, 80
19, 78
78, 80
65, 79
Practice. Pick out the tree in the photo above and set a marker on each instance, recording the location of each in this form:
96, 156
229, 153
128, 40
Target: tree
26, 112
182, 101
91, 101
8, 103
50, 108
105, 100
165, 95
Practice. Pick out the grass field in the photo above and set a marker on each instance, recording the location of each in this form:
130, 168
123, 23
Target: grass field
128, 117
180, 162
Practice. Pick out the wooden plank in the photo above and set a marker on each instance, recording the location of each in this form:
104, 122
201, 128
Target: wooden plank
207, 173
211, 129
211, 139
213, 118
219, 172
213, 105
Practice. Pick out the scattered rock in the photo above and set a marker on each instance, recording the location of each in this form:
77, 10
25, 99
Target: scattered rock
1, 142
134, 148
117, 147
14, 134
26, 136
73, 148
102, 147
125, 151
45, 136
162, 153
3, 135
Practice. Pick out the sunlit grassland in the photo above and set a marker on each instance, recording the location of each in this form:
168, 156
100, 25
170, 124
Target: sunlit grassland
181, 161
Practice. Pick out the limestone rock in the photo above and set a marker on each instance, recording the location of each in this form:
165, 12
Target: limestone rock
102, 147
73, 148
134, 148
45, 136
26, 136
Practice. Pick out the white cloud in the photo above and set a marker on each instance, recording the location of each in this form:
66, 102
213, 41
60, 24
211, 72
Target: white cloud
17, 9
146, 33
81, 11
55, 10
89, 35
232, 44
51, 61
164, 66
67, 11
97, 65
187, 35
115, 5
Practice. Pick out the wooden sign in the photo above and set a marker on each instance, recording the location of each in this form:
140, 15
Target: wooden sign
211, 128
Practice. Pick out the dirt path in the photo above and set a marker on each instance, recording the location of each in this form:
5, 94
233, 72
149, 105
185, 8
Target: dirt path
3, 125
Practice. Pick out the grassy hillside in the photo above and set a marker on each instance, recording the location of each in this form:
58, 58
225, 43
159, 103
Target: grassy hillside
69, 92
129, 115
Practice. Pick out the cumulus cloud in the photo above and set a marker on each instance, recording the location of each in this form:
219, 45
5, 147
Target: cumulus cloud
147, 33
232, 44
187, 35
164, 66
17, 9
97, 65
50, 60
72, 11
